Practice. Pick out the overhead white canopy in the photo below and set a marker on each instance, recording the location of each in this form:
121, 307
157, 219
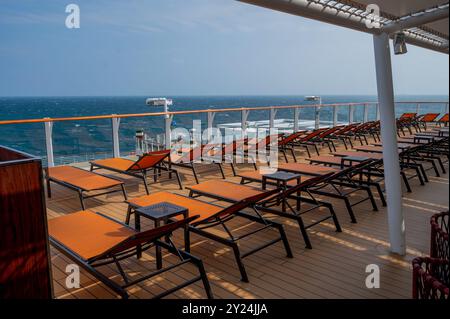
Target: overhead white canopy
431, 33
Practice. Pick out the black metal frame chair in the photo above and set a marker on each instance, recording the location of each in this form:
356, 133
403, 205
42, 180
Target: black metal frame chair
128, 248
141, 172
294, 193
225, 215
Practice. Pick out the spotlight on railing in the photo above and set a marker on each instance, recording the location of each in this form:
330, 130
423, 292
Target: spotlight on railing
400, 44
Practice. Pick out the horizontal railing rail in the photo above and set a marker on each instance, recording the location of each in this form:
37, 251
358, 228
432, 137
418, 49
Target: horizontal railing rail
173, 113
115, 119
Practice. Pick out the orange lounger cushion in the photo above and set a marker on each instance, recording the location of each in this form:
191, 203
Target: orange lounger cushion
120, 164
80, 178
307, 169
195, 207
227, 190
88, 234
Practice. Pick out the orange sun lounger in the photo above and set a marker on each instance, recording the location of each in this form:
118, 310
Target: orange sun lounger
82, 181
211, 216
193, 155
150, 161
231, 192
94, 240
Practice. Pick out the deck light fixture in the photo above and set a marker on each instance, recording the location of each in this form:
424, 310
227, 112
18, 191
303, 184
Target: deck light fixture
400, 43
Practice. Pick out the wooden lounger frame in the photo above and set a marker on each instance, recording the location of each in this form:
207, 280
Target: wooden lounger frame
225, 215
161, 165
81, 191
127, 249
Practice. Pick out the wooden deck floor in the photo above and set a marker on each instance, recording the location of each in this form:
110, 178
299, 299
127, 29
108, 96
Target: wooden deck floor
334, 268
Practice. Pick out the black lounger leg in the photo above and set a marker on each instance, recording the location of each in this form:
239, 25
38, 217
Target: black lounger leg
405, 180
125, 196
381, 194
178, 179
195, 173
283, 236
293, 155
144, 178
335, 219
237, 255
206, 285
221, 170
304, 233
372, 199
129, 212
349, 209
80, 194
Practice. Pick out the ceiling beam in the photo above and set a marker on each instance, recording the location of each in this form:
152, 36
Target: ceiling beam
417, 20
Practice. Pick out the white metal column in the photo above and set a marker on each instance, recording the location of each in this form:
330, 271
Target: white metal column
49, 143
115, 134
390, 149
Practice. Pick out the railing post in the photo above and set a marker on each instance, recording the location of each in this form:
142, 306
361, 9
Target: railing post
418, 109
273, 114
350, 114
296, 116
115, 135
211, 116
244, 118
366, 113
446, 107
168, 131
335, 115
49, 143
378, 112
317, 117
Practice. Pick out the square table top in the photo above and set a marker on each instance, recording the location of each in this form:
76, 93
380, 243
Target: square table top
161, 211
282, 176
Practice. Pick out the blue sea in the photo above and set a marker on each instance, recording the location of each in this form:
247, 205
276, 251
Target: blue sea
83, 140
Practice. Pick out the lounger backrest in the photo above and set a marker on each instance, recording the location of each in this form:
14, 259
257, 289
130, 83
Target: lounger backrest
235, 208
146, 237
312, 135
408, 116
194, 154
430, 117
347, 129
149, 160
290, 138
444, 118
330, 131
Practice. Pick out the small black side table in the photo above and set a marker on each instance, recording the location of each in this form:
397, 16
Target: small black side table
162, 212
282, 179
353, 159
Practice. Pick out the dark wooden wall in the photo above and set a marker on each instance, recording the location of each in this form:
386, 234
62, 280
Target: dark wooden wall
24, 253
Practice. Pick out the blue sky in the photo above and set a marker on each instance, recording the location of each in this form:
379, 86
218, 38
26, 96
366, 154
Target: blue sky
195, 47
